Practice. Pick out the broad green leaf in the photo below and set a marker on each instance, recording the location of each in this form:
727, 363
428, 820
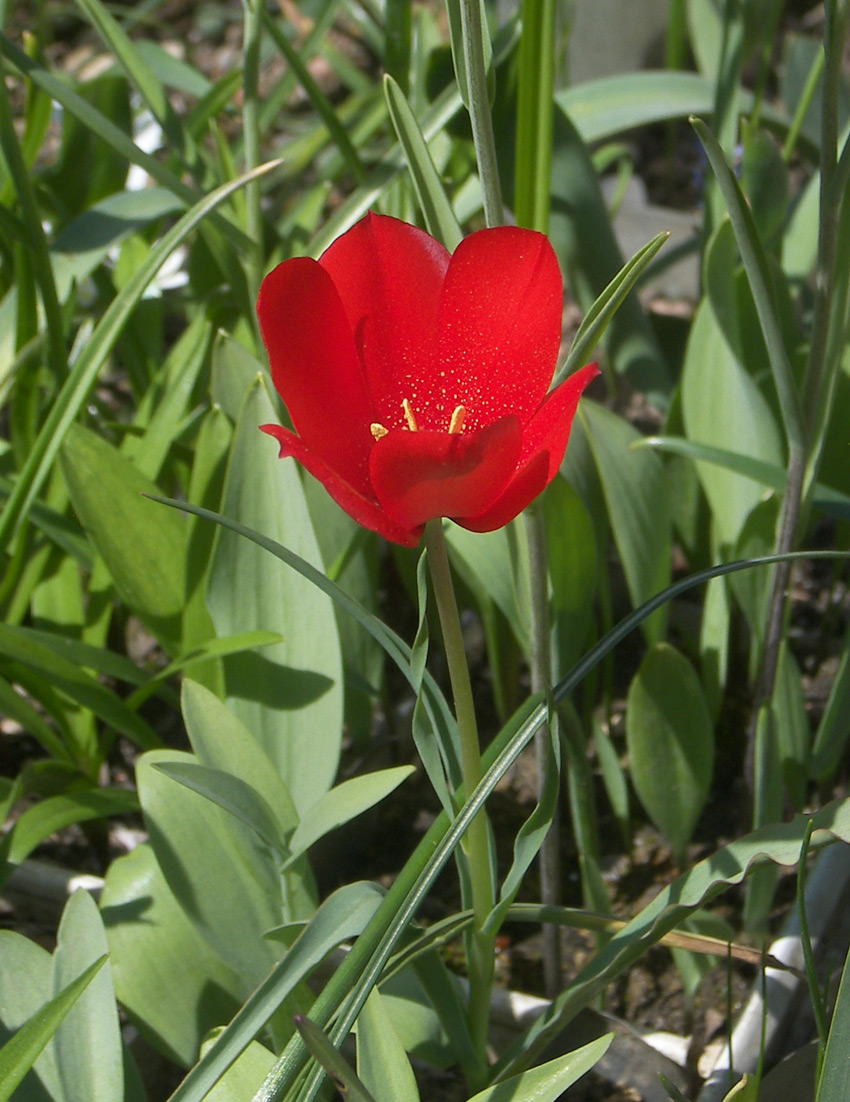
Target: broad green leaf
221, 741
89, 1051
670, 738
87, 241
382, 1064
223, 877
234, 796
143, 550
25, 987
243, 1077
290, 698
23, 1049
741, 423
547, 1082
344, 914
344, 802
175, 987
638, 505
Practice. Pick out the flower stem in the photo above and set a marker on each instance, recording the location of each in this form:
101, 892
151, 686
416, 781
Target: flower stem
477, 847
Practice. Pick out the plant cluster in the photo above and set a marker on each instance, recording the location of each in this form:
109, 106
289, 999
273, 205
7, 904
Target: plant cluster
356, 236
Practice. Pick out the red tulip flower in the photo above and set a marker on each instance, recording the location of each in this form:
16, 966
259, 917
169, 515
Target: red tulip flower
416, 379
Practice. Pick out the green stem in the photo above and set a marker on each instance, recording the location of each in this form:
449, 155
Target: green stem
477, 846
540, 663
480, 118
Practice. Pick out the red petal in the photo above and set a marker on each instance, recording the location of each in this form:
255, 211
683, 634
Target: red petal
389, 276
544, 443
500, 324
420, 475
315, 367
364, 511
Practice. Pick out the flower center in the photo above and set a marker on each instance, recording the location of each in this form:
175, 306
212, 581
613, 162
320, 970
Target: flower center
455, 424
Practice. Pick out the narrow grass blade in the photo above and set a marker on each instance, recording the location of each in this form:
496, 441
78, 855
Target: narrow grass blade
758, 275
439, 216
78, 384
596, 319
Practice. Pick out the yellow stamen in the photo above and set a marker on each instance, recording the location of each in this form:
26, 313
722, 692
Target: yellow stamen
408, 413
458, 417
378, 430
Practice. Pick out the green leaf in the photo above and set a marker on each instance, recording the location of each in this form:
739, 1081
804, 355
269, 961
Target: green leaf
834, 1084
581, 232
290, 697
89, 1051
453, 7
344, 914
87, 241
243, 1077
341, 1073
144, 553
79, 382
223, 877
174, 985
638, 505
345, 802
670, 738
19, 1054
779, 843
57, 812
547, 1082
382, 1064
834, 727
233, 795
21, 646
742, 422
439, 216
758, 274
599, 315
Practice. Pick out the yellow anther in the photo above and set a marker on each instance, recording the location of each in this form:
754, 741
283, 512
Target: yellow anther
408, 413
458, 417
378, 430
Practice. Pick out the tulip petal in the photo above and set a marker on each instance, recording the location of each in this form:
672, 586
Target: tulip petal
544, 443
389, 276
421, 475
315, 367
500, 323
365, 511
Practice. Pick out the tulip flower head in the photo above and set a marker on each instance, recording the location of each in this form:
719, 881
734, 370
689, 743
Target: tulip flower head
418, 380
